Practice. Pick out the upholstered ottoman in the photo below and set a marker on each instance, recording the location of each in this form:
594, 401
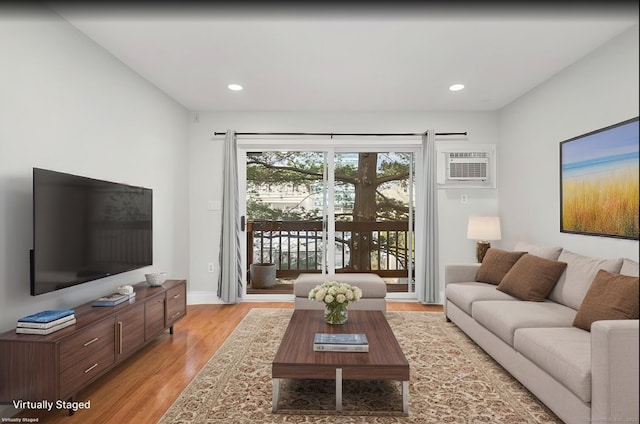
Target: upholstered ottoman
374, 290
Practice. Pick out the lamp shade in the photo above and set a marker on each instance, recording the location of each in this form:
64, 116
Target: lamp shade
484, 228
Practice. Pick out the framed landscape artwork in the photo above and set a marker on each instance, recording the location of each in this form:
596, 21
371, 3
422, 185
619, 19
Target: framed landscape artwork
599, 174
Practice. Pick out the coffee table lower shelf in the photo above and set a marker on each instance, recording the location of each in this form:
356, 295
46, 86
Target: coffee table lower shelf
276, 393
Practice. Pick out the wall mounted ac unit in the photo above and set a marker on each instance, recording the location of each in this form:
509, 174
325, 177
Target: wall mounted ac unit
466, 165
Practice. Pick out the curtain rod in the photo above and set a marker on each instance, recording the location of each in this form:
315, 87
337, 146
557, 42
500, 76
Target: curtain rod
338, 134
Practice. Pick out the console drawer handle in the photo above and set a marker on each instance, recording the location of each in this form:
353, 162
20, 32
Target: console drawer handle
177, 314
120, 337
90, 368
176, 296
95, 339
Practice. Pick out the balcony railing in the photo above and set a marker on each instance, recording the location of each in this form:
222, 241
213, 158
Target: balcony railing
297, 246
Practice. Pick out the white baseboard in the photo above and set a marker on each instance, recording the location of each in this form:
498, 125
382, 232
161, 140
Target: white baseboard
211, 298
203, 297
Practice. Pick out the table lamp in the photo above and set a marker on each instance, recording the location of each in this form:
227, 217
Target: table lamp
483, 229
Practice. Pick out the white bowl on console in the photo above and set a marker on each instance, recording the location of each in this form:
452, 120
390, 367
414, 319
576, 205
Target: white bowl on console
156, 278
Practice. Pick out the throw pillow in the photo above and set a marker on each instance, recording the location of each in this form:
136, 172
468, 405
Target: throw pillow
496, 264
547, 252
630, 267
532, 278
581, 270
611, 296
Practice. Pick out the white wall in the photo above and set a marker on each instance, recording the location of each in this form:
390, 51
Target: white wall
599, 90
68, 105
206, 164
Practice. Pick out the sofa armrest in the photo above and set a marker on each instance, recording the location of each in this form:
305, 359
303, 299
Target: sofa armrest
460, 273
614, 370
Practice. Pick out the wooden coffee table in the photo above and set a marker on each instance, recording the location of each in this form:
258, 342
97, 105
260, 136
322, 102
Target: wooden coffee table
296, 358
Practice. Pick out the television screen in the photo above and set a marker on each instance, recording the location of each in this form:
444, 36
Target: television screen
85, 229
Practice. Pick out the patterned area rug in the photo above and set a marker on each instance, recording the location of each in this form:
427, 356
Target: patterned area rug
452, 381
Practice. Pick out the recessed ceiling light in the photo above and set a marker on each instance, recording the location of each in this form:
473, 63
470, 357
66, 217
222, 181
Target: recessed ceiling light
234, 87
456, 87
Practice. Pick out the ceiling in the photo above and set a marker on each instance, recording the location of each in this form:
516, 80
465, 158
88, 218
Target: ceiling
341, 58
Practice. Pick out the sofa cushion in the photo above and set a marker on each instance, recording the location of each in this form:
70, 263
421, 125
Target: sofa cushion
630, 267
496, 264
532, 278
576, 279
464, 294
547, 252
611, 296
564, 353
503, 318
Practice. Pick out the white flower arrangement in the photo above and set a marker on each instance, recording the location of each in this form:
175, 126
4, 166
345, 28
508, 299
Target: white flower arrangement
335, 293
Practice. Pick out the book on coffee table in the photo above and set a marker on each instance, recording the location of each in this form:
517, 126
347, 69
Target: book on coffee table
340, 342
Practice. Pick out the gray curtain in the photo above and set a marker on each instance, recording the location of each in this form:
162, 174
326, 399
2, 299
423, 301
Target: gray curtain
230, 277
430, 293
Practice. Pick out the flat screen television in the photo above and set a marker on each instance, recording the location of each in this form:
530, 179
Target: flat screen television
85, 229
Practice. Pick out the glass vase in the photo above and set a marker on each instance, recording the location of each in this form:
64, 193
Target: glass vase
336, 314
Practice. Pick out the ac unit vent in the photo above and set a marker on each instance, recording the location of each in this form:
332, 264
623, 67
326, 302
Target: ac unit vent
468, 166
465, 165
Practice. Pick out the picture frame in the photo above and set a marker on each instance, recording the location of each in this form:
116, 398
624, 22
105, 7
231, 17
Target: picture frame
599, 173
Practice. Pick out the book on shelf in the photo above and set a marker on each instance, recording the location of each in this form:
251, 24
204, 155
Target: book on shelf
112, 300
27, 330
340, 342
47, 316
46, 324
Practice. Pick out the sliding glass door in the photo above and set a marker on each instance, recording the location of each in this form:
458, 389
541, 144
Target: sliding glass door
344, 208
374, 209
285, 210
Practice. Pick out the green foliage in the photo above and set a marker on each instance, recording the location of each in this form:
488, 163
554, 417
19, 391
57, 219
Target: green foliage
303, 172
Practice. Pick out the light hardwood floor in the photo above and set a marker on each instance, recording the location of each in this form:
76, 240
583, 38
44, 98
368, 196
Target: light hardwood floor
143, 387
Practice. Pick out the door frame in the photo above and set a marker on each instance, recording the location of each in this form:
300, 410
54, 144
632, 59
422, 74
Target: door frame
330, 146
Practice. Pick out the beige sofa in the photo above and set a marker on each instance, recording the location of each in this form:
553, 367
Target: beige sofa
582, 376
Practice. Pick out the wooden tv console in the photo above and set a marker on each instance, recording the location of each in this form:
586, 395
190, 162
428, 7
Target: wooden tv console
56, 366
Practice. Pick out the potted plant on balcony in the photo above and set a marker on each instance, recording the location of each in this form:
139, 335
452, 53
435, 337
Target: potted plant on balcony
262, 275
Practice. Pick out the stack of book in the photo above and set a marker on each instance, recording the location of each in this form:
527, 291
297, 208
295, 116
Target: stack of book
325, 342
114, 299
46, 322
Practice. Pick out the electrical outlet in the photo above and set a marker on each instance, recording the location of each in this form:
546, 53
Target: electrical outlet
464, 199
210, 267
